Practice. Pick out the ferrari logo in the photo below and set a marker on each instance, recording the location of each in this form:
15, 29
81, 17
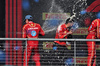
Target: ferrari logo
65, 32
32, 24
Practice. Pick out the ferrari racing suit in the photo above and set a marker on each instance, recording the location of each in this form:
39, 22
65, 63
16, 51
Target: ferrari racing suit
32, 30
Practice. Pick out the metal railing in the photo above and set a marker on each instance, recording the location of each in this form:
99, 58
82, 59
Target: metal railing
51, 39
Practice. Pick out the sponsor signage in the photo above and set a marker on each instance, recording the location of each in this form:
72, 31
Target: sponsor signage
97, 47
81, 60
81, 31
48, 45
60, 16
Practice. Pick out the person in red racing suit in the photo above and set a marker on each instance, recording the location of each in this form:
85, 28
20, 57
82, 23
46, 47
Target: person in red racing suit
32, 30
61, 51
93, 33
63, 32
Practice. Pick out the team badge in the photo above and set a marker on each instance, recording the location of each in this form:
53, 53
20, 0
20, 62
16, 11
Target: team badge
33, 33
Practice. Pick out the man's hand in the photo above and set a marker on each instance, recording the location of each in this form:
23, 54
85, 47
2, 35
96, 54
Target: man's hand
68, 45
70, 32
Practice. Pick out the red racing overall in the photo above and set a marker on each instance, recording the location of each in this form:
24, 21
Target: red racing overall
93, 34
32, 30
60, 34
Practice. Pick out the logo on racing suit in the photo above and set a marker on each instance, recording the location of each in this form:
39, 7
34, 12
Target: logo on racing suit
33, 33
90, 27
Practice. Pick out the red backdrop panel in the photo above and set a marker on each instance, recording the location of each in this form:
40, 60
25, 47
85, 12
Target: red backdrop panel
13, 30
